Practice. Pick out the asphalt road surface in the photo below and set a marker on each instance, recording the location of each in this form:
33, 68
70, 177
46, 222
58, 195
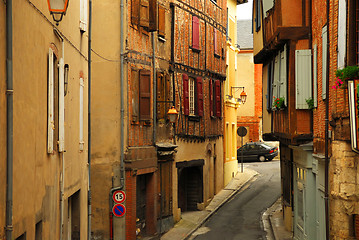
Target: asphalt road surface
240, 218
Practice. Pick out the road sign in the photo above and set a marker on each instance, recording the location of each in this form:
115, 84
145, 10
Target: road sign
242, 131
119, 196
119, 210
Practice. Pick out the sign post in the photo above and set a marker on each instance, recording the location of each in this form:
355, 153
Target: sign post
242, 131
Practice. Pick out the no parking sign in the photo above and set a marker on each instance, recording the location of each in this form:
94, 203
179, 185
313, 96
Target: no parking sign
119, 210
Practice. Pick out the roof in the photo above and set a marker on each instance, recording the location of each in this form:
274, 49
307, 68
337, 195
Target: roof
244, 34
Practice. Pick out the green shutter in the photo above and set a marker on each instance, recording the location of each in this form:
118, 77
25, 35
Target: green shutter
303, 77
283, 75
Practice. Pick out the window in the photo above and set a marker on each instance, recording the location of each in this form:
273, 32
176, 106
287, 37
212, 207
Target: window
215, 103
163, 94
192, 96
195, 32
315, 75
83, 15
217, 49
277, 78
52, 101
342, 34
73, 216
258, 15
145, 95
144, 13
303, 77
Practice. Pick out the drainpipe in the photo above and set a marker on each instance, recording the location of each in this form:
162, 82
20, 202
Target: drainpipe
9, 120
327, 134
89, 123
154, 88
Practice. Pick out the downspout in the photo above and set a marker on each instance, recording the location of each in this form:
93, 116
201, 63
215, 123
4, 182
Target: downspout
122, 81
89, 123
327, 133
9, 121
154, 88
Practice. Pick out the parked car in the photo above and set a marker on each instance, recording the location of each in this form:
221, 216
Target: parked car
255, 151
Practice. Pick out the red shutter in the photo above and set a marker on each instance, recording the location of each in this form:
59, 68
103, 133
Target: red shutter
145, 95
211, 97
215, 41
218, 99
185, 94
200, 96
135, 12
195, 32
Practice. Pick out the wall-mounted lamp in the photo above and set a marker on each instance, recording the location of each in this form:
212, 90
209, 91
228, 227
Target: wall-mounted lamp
243, 95
57, 9
172, 114
66, 78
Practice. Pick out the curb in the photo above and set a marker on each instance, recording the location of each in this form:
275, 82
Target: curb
245, 184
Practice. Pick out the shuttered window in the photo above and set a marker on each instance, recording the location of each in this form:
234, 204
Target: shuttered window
258, 15
161, 21
152, 15
61, 93
342, 33
135, 12
195, 32
211, 97
276, 75
134, 93
185, 94
199, 96
324, 62
283, 75
163, 95
303, 77
218, 98
144, 14
83, 15
269, 86
145, 95
50, 102
191, 96
215, 43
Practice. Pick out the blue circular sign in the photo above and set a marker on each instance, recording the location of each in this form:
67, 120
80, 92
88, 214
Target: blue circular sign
119, 210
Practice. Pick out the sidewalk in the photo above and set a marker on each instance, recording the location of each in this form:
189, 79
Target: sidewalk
191, 221
273, 221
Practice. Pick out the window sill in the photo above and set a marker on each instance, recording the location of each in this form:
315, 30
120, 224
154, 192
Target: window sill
194, 118
195, 49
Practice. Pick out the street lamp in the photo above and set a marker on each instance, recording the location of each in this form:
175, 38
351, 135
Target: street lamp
243, 95
57, 9
172, 114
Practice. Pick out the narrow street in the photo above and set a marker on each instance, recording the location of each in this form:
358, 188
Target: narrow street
240, 218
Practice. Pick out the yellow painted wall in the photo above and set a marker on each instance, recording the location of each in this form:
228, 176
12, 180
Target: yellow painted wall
230, 111
36, 173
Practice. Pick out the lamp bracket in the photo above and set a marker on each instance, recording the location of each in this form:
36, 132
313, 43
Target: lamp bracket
235, 90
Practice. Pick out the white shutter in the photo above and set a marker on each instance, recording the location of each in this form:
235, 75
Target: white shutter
83, 15
303, 77
283, 75
50, 104
342, 35
276, 74
324, 62
315, 75
61, 106
81, 116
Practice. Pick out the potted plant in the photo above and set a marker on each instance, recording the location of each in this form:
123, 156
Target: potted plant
310, 102
345, 74
278, 103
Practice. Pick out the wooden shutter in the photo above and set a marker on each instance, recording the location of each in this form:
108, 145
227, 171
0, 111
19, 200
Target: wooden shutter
315, 75
218, 98
342, 33
324, 62
211, 97
145, 95
283, 74
185, 94
144, 14
161, 21
83, 15
61, 106
215, 42
195, 32
199, 96
134, 92
276, 75
303, 77
135, 12
50, 103
152, 15
160, 95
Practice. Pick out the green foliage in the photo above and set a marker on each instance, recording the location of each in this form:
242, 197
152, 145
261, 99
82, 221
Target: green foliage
349, 72
310, 102
278, 103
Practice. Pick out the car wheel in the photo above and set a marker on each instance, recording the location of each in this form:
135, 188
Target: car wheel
262, 158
